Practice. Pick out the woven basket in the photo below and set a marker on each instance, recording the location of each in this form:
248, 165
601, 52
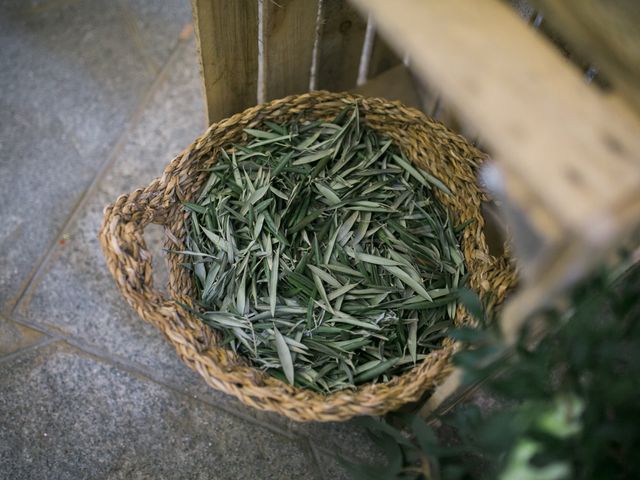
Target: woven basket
428, 144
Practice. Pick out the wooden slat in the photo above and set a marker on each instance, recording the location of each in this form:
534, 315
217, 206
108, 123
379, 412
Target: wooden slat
578, 153
394, 84
604, 31
289, 35
383, 57
563, 146
342, 34
227, 34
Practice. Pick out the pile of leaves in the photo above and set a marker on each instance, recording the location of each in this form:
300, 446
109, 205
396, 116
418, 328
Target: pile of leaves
320, 254
570, 403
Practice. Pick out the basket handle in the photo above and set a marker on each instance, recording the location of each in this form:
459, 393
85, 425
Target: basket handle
129, 260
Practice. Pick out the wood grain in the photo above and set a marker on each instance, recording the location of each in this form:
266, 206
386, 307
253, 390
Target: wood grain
383, 57
569, 153
227, 39
605, 32
579, 153
342, 32
289, 35
394, 84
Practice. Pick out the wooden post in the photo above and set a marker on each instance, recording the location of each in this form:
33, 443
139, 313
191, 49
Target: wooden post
227, 34
383, 57
289, 35
567, 155
342, 32
605, 32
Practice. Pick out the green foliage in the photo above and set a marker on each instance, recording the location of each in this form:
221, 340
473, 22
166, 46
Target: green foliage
319, 254
572, 402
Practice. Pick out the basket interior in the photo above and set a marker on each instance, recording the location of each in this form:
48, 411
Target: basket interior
428, 144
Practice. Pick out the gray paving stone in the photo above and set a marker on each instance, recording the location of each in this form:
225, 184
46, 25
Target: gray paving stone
70, 77
76, 295
35, 194
65, 415
14, 337
74, 61
159, 23
347, 438
331, 468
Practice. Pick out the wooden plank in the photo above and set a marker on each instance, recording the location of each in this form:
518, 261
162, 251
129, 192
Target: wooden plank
394, 84
578, 152
227, 39
568, 152
289, 36
399, 83
383, 57
342, 32
606, 33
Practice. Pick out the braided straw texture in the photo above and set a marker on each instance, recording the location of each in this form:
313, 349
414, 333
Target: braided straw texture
428, 144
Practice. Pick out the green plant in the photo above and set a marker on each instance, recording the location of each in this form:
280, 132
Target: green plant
571, 401
320, 254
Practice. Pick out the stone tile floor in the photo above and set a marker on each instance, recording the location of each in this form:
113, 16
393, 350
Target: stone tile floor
95, 98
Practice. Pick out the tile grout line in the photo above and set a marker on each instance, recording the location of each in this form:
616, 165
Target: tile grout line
103, 169
134, 32
319, 449
306, 447
323, 449
23, 351
46, 329
329, 452
50, 5
315, 454
53, 336
50, 336
140, 371
143, 371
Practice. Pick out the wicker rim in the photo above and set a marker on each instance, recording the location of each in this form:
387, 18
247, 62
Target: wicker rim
427, 143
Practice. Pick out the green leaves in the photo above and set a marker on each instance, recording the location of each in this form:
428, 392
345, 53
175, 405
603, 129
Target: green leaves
284, 355
385, 262
411, 282
313, 157
320, 255
273, 282
568, 404
376, 371
472, 303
